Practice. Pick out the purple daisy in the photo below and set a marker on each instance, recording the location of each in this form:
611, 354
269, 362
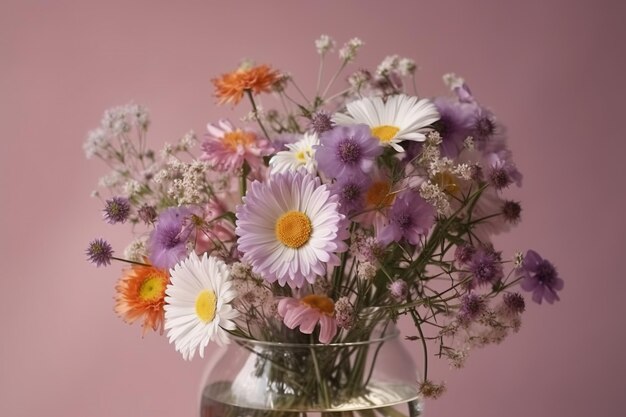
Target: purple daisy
410, 218
455, 124
485, 266
347, 149
168, 240
540, 278
116, 210
351, 190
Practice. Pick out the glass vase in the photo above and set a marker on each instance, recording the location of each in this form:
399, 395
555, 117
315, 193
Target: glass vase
371, 378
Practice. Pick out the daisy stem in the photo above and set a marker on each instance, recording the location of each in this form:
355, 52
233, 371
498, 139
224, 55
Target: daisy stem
319, 75
418, 321
243, 180
332, 80
256, 112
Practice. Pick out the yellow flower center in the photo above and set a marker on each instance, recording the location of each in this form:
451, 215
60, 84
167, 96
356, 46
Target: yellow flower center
320, 302
151, 289
238, 138
446, 181
379, 194
385, 133
206, 304
293, 229
301, 156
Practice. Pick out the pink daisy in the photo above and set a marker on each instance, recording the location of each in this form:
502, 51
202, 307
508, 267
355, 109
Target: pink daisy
307, 312
226, 148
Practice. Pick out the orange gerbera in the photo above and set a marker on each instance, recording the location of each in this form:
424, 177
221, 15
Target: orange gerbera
141, 295
231, 87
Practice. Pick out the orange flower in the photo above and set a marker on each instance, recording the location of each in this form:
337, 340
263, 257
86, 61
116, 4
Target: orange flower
231, 87
141, 295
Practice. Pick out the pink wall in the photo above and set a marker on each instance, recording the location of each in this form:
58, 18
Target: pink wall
553, 71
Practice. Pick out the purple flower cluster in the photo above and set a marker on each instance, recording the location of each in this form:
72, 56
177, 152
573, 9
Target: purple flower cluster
485, 266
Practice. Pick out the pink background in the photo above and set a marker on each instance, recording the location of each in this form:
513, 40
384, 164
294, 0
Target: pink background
553, 71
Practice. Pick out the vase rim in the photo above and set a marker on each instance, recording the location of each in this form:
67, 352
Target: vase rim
388, 333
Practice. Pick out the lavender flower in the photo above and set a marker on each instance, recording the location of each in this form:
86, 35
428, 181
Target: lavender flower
410, 218
116, 210
455, 124
351, 189
347, 149
99, 252
540, 278
168, 241
485, 266
502, 172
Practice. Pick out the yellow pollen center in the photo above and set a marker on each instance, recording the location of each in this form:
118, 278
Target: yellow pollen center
206, 304
293, 229
320, 302
379, 194
300, 157
151, 289
446, 181
238, 138
385, 133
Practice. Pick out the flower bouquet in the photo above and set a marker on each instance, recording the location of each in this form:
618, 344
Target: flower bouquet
304, 233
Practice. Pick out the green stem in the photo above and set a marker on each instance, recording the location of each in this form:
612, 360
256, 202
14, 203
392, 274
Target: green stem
256, 112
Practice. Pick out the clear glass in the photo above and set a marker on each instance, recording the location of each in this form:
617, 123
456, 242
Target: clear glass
373, 378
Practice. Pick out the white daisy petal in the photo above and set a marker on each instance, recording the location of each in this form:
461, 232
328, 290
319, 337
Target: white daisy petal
400, 118
197, 309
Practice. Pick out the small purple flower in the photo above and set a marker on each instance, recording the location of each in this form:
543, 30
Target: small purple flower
351, 190
321, 122
472, 306
485, 266
168, 240
511, 211
540, 278
514, 302
488, 134
116, 210
147, 214
464, 253
410, 218
347, 149
454, 125
501, 171
100, 252
399, 290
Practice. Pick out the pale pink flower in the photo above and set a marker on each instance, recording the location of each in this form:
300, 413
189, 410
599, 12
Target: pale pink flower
226, 148
307, 312
212, 232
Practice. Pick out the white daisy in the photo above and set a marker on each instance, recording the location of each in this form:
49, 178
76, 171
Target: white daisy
197, 308
300, 154
290, 229
399, 118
